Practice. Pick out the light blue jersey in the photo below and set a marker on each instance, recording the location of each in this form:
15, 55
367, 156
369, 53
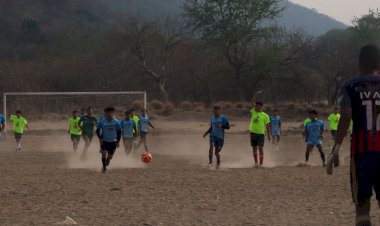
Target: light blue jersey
217, 132
127, 128
144, 123
2, 119
314, 130
109, 129
275, 124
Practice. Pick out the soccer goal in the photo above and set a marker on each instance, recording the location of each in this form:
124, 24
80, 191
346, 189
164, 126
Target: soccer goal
58, 105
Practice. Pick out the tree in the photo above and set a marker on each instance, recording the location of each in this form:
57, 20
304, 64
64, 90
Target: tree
230, 27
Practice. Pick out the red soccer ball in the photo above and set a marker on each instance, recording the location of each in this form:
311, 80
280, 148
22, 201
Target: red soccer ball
146, 157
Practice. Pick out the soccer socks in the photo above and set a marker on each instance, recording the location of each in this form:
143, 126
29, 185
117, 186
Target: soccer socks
255, 157
261, 159
104, 162
362, 213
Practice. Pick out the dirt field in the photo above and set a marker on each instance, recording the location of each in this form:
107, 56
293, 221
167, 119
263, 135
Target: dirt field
46, 182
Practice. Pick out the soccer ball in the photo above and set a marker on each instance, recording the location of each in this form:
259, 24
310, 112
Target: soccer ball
146, 157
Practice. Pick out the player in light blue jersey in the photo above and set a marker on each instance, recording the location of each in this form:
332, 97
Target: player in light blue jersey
314, 135
275, 126
144, 124
109, 134
2, 126
218, 124
128, 131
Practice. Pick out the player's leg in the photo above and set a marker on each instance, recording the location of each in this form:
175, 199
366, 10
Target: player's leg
18, 137
319, 146
128, 145
254, 144
104, 158
333, 134
144, 142
87, 142
261, 139
111, 151
210, 152
361, 186
309, 148
218, 148
278, 142
142, 136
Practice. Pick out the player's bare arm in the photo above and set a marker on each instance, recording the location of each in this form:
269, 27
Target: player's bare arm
344, 124
207, 132
268, 131
254, 98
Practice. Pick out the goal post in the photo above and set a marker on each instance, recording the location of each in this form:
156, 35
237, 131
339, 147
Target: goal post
69, 95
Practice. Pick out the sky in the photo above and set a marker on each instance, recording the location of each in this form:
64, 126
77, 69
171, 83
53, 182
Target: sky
341, 10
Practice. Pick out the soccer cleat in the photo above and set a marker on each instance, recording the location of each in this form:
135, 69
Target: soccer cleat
210, 165
104, 169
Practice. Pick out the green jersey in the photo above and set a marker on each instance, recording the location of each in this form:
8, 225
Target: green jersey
258, 122
136, 119
306, 121
74, 126
19, 123
334, 120
87, 124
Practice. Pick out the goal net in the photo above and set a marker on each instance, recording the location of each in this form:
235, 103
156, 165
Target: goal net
59, 105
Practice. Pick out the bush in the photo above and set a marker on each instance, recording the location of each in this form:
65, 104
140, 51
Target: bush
156, 105
186, 105
240, 105
228, 105
169, 108
137, 105
198, 104
199, 109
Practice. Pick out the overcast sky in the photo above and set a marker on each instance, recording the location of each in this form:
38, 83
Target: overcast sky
341, 10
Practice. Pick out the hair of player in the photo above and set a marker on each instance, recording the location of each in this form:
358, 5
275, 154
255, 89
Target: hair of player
75, 111
216, 107
314, 112
109, 110
259, 103
369, 58
18, 112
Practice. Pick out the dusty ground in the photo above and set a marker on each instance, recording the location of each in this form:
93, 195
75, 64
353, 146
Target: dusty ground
46, 182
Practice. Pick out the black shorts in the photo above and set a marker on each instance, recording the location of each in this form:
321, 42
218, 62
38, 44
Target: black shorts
87, 137
257, 139
143, 134
18, 136
333, 134
365, 175
217, 142
109, 147
75, 137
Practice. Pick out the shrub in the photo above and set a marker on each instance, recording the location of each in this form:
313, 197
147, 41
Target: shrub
228, 105
137, 105
169, 108
198, 104
186, 105
199, 109
156, 105
240, 105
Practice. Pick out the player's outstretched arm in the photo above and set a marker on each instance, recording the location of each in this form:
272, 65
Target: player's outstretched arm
26, 125
268, 131
151, 125
344, 124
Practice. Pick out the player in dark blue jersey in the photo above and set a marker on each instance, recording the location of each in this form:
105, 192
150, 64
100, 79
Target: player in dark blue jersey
109, 133
360, 100
218, 124
128, 131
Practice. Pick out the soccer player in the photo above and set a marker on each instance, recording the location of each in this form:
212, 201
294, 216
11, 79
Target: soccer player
19, 123
218, 124
87, 124
128, 131
109, 134
334, 120
2, 126
259, 123
136, 119
314, 135
275, 125
144, 124
360, 100
75, 130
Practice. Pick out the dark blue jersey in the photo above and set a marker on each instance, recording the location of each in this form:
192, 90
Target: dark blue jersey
362, 94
